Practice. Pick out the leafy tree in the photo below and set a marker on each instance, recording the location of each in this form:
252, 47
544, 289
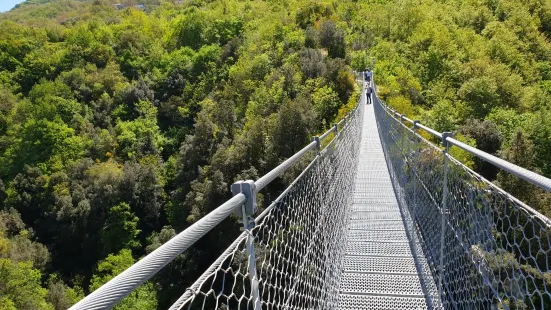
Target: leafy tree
442, 116
156, 239
463, 156
221, 31
312, 64
20, 287
140, 136
480, 94
541, 138
120, 229
190, 29
520, 152
62, 296
51, 145
488, 139
332, 38
326, 103
7, 102
28, 195
294, 122
141, 187
22, 249
194, 152
311, 12
143, 297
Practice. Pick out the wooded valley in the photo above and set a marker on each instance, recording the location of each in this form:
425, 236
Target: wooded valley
122, 126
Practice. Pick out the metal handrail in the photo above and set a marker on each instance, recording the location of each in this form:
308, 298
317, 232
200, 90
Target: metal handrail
525, 174
109, 294
284, 166
123, 284
197, 284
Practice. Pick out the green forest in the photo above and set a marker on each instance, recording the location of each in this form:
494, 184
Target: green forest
122, 126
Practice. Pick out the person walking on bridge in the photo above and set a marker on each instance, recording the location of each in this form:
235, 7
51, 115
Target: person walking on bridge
367, 76
368, 94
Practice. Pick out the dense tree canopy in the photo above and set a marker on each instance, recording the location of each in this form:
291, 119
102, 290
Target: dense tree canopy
121, 127
476, 68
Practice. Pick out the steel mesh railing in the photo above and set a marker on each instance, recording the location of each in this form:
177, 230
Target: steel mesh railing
298, 240
487, 249
286, 256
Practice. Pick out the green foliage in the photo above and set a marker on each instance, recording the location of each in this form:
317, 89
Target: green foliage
293, 121
332, 38
520, 152
326, 103
142, 298
475, 67
120, 229
359, 60
120, 128
488, 139
21, 287
465, 157
140, 136
190, 29
50, 145
541, 137
311, 12
480, 94
60, 295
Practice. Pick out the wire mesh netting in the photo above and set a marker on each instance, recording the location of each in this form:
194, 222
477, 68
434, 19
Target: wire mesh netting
298, 240
488, 249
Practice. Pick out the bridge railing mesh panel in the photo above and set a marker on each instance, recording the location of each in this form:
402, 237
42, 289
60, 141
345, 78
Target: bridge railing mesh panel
489, 250
298, 240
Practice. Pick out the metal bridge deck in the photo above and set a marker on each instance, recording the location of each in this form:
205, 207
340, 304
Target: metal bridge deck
380, 268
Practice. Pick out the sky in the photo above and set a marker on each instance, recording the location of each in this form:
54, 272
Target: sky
6, 5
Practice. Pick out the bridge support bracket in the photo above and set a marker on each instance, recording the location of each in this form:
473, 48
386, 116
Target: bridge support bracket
318, 143
416, 124
336, 127
246, 212
446, 135
248, 189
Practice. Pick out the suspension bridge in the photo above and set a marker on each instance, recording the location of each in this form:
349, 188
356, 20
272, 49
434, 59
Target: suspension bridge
381, 218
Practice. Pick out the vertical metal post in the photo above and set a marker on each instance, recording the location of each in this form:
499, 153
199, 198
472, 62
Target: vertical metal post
410, 162
415, 173
318, 143
444, 214
404, 154
248, 224
248, 189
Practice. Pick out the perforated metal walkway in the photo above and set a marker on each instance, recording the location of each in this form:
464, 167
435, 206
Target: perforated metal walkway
380, 270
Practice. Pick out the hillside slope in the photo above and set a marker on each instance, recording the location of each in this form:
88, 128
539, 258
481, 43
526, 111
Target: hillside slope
119, 128
481, 69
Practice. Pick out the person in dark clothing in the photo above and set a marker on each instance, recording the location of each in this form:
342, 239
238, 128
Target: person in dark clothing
367, 76
368, 94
